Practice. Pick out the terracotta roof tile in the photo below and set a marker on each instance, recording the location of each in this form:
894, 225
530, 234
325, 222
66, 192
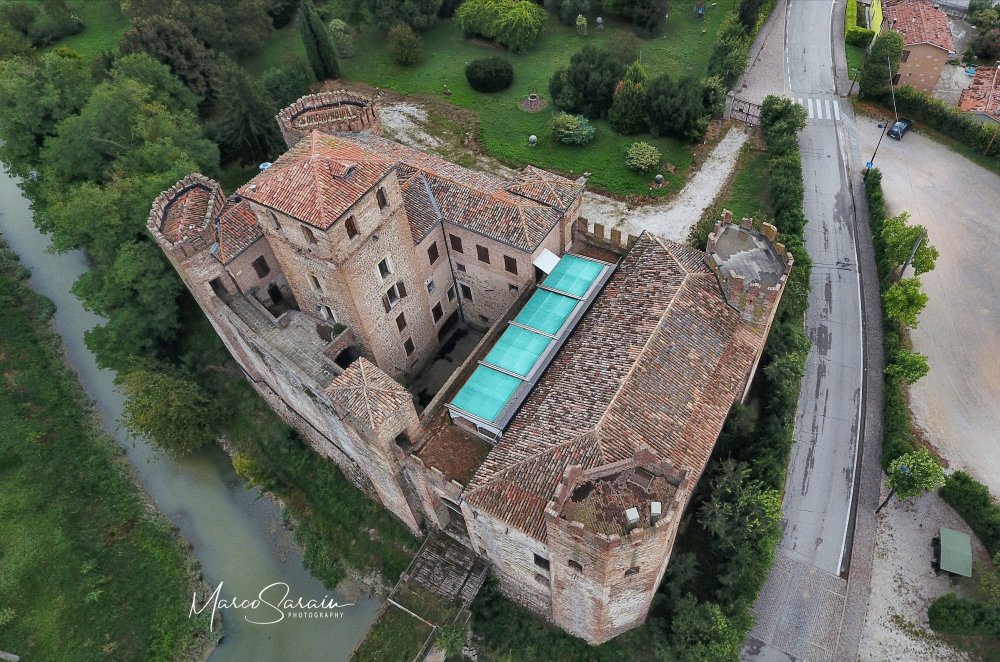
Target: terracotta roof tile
546, 188
186, 212
983, 93
238, 229
920, 23
656, 362
368, 393
318, 179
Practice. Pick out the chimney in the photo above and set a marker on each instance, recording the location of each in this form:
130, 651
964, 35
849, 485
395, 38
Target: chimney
631, 519
655, 511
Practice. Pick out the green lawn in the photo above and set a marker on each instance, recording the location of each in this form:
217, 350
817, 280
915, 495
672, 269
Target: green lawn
103, 27
87, 570
746, 194
504, 127
855, 56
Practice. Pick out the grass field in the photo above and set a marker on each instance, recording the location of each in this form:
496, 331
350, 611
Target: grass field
87, 570
103, 27
745, 196
855, 56
396, 637
504, 128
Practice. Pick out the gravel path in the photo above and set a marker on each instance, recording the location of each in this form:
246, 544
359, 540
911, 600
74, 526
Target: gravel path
673, 219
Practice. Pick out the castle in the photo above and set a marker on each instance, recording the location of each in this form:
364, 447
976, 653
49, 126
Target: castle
564, 448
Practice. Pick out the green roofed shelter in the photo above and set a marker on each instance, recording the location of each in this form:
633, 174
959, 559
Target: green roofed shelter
956, 552
573, 275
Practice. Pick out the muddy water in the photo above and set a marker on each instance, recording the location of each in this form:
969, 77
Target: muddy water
237, 536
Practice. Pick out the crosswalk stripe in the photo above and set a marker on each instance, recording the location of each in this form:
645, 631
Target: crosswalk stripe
810, 108
826, 104
836, 111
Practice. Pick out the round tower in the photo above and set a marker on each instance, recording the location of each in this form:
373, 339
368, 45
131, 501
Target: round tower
329, 112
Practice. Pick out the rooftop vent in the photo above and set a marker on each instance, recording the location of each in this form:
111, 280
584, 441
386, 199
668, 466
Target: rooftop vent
265, 165
655, 511
631, 518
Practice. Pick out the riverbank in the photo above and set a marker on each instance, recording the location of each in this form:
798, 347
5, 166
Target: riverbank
81, 542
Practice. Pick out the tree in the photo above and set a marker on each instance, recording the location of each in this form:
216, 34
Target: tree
587, 85
648, 17
875, 76
489, 74
676, 109
731, 53
418, 14
282, 12
246, 129
172, 43
908, 366
627, 114
166, 87
343, 38
283, 85
567, 11
405, 46
899, 239
700, 632
318, 44
738, 509
166, 407
642, 157
911, 474
236, 28
749, 11
903, 301
35, 96
514, 24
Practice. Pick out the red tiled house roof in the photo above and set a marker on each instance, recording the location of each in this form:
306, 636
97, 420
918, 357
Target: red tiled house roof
186, 213
368, 393
657, 362
920, 23
238, 229
983, 93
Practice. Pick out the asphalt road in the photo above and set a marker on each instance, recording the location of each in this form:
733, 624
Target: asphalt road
802, 611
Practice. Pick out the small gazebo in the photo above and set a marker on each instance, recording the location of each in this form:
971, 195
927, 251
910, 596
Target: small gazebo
956, 552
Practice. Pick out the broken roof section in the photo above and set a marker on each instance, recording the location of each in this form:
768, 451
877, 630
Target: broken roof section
505, 377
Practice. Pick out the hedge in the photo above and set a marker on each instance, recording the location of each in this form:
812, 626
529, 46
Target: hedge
954, 123
950, 613
972, 500
731, 54
854, 34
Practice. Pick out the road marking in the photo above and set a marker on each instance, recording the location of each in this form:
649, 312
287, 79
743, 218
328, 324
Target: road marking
836, 111
810, 108
826, 103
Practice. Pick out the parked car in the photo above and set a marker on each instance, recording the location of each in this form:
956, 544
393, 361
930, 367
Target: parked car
899, 129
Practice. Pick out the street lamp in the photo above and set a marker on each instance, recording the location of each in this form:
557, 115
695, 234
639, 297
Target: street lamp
892, 87
871, 162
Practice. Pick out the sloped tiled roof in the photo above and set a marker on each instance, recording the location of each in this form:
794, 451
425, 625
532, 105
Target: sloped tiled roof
368, 393
318, 179
186, 212
546, 188
238, 229
519, 213
920, 23
656, 362
983, 93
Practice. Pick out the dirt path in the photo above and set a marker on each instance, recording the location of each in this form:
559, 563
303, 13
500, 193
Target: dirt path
959, 330
673, 219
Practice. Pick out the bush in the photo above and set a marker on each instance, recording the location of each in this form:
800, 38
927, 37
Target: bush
642, 157
489, 74
732, 51
343, 38
514, 24
947, 119
859, 36
405, 46
950, 613
874, 80
571, 129
283, 85
972, 500
567, 10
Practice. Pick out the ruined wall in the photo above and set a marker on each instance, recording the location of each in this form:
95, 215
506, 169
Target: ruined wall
329, 112
429, 485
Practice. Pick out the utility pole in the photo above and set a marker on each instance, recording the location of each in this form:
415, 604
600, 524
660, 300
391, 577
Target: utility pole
871, 163
913, 252
892, 87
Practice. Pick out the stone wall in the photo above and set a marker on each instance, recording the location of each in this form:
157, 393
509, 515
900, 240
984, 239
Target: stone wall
329, 112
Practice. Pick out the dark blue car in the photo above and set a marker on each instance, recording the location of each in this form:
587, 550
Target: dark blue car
900, 128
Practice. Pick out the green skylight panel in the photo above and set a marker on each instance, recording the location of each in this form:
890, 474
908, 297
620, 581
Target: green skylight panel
486, 392
573, 275
546, 311
517, 350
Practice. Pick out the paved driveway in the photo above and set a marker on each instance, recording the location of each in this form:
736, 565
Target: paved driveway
958, 403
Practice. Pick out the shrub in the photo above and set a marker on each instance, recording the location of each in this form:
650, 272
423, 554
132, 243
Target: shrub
283, 85
642, 157
405, 45
571, 129
947, 119
567, 10
874, 80
676, 108
732, 51
859, 36
950, 613
628, 109
581, 25
514, 24
343, 38
972, 500
489, 74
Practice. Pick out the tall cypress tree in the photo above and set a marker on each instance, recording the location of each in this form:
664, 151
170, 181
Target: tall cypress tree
318, 43
246, 129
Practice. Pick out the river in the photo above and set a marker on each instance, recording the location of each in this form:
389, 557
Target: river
237, 536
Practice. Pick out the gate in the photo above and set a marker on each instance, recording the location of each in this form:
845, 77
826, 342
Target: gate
745, 111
